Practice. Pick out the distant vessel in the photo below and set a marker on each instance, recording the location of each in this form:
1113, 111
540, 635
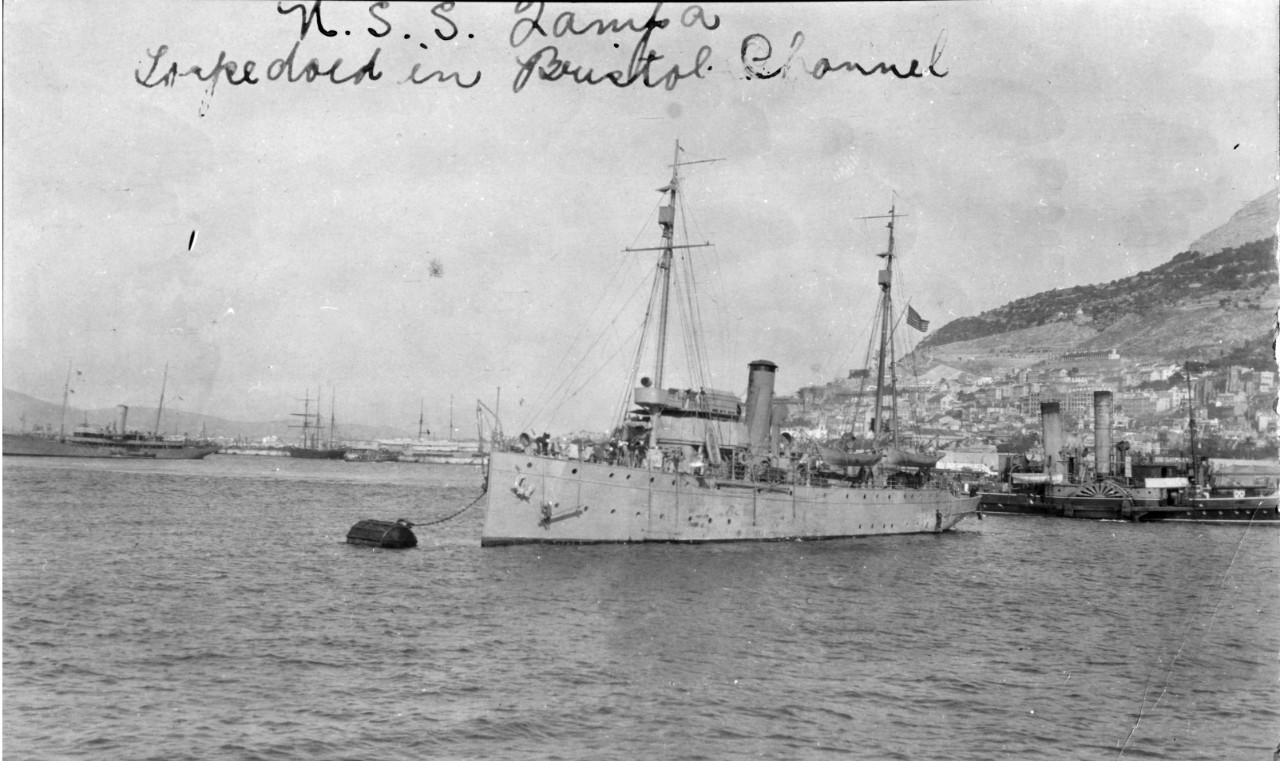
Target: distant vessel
90, 441
313, 446
371, 454
114, 441
1229, 491
424, 451
701, 465
444, 452
1115, 488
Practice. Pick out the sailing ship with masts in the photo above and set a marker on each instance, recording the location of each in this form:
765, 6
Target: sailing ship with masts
703, 465
314, 445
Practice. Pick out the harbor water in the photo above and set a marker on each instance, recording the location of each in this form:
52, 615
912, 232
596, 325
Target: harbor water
212, 609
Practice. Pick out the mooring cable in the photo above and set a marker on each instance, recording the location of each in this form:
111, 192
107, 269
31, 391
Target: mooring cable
460, 512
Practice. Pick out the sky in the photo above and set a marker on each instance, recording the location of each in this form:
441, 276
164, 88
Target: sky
423, 239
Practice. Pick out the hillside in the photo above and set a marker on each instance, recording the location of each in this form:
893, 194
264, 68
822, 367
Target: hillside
1198, 305
1256, 221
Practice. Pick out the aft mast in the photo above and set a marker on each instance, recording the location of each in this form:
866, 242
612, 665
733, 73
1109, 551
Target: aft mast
886, 317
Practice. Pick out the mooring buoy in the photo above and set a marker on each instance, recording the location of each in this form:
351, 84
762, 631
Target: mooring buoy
385, 534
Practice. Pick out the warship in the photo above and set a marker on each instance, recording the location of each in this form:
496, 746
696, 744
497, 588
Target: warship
696, 464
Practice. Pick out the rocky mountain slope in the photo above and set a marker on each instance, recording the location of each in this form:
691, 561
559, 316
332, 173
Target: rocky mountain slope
1217, 298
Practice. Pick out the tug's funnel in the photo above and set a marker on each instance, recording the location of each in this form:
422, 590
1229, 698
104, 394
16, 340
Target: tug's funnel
1102, 432
1051, 421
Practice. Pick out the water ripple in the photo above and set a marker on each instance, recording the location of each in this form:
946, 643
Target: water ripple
213, 610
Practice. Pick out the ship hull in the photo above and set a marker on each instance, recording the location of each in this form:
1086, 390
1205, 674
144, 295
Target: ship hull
35, 446
316, 454
1016, 504
535, 499
1259, 509
1145, 505
460, 458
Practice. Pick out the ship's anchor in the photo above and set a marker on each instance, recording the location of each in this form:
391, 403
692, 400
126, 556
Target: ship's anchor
549, 516
522, 490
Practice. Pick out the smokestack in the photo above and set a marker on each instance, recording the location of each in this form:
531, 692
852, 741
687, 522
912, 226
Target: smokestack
122, 414
1102, 431
1051, 422
760, 405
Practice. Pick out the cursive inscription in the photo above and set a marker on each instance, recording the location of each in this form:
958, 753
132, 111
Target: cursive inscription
241, 74
550, 65
562, 46
756, 50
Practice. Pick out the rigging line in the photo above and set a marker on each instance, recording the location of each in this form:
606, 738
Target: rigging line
688, 314
558, 395
626, 391
869, 325
695, 311
1165, 682
697, 359
686, 331
602, 294
907, 345
623, 401
541, 406
852, 345
861, 398
556, 371
589, 378
688, 219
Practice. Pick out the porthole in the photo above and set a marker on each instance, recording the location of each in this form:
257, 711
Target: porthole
574, 471
610, 475
528, 465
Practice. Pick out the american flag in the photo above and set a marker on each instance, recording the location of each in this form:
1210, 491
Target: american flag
916, 321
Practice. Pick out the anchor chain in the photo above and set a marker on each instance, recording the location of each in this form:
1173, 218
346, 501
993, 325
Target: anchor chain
484, 488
